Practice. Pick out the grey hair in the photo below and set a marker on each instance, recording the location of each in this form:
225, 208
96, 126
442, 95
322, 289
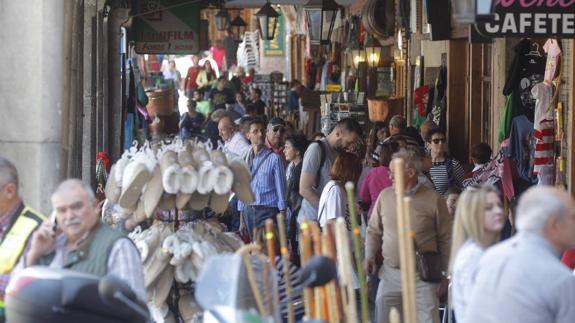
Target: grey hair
8, 172
73, 184
398, 122
410, 157
537, 206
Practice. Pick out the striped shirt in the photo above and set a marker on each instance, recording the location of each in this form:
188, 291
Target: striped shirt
268, 179
296, 297
440, 175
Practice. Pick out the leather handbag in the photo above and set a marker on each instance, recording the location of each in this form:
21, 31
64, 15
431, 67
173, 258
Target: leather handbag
429, 266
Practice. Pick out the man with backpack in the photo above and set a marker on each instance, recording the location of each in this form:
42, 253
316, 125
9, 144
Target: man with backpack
317, 162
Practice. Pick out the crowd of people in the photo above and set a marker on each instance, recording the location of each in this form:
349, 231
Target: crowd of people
493, 277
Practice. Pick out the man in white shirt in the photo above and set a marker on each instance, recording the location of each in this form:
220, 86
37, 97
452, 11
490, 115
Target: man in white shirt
235, 145
522, 279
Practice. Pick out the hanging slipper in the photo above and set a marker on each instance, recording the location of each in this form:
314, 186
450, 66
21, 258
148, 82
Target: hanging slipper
167, 202
219, 203
135, 176
242, 177
204, 166
153, 192
112, 190
189, 179
223, 175
171, 171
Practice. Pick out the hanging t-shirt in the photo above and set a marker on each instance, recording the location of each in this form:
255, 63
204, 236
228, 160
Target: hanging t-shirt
526, 70
553, 51
544, 126
520, 147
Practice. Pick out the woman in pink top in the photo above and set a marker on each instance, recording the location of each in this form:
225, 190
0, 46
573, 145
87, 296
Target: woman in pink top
378, 178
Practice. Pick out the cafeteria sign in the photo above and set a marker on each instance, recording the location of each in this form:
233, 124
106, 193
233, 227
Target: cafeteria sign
167, 27
531, 18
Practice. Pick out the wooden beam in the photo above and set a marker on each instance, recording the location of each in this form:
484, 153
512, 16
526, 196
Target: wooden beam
475, 118
570, 133
457, 130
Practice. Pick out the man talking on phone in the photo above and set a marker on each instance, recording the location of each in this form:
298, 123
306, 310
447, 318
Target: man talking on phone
85, 244
17, 223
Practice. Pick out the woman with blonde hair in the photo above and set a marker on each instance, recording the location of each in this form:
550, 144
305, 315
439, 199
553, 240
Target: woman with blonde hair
478, 222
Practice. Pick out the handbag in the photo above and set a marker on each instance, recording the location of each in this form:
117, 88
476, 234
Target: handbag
428, 265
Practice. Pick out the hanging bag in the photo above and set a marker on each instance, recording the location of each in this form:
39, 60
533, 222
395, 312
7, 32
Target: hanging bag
428, 265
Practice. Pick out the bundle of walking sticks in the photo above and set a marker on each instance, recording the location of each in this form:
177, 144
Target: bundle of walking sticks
336, 301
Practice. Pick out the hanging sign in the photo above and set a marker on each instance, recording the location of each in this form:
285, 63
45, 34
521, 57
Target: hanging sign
531, 18
167, 27
275, 47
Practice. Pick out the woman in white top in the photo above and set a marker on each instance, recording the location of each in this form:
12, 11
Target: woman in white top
333, 200
478, 222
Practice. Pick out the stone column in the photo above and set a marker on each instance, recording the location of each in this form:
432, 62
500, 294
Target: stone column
31, 100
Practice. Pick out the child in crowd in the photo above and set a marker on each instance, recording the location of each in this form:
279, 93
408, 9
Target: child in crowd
451, 197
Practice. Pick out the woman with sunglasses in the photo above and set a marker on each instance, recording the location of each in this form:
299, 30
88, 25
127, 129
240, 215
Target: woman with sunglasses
445, 171
478, 222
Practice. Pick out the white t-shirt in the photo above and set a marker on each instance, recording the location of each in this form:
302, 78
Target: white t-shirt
332, 203
464, 271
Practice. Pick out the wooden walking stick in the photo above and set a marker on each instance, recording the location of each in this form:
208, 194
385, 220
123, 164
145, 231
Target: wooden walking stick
333, 295
410, 256
305, 253
345, 271
408, 287
358, 252
286, 266
244, 252
320, 293
270, 242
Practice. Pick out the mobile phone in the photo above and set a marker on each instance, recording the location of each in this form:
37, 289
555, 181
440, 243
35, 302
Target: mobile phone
54, 222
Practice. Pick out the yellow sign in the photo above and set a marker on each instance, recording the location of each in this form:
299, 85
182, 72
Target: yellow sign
333, 88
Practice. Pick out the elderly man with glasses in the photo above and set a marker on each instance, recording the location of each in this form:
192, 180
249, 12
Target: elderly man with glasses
79, 241
235, 144
276, 136
17, 223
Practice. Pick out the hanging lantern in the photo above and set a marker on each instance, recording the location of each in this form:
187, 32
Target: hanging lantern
372, 51
358, 56
470, 11
238, 26
321, 20
267, 19
222, 19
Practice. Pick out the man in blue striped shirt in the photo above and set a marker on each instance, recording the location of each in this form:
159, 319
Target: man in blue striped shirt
268, 180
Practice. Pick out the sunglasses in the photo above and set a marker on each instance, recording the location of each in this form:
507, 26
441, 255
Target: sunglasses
280, 129
438, 141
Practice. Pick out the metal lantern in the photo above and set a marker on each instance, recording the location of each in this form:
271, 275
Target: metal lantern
470, 11
321, 20
358, 55
267, 19
372, 51
222, 19
238, 26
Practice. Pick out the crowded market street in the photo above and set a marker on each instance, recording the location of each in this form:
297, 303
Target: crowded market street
385, 161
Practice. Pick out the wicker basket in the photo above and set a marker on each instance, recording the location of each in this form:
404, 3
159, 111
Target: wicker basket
161, 102
382, 109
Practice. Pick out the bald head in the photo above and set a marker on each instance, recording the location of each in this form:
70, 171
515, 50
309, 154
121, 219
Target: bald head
549, 212
226, 127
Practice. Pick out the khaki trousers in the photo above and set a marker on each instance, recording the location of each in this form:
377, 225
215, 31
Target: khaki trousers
389, 295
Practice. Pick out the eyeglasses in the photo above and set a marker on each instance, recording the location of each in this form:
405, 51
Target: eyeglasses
280, 129
438, 141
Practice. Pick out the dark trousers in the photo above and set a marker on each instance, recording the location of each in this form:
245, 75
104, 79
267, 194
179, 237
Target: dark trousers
255, 217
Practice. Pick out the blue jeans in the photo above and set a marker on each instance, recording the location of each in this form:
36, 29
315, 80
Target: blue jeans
255, 217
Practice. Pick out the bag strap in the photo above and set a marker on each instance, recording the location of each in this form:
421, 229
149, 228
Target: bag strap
322, 157
251, 160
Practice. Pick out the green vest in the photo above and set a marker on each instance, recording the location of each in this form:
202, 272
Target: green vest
92, 254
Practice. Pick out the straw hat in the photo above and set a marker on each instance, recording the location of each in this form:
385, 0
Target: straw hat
112, 189
242, 180
171, 171
135, 176
223, 177
153, 192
